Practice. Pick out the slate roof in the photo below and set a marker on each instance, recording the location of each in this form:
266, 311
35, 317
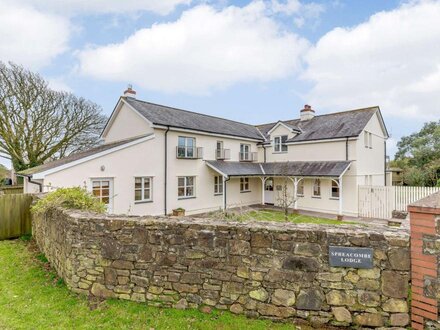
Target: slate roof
167, 116
295, 168
329, 126
77, 156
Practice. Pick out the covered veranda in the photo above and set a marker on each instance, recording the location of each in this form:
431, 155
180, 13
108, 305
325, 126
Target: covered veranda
295, 172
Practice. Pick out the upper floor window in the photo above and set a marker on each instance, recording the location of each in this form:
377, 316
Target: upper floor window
185, 186
280, 143
244, 185
220, 152
218, 185
368, 140
245, 153
143, 189
335, 189
317, 188
186, 147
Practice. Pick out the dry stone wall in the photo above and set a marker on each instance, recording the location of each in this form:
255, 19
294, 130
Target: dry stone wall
276, 271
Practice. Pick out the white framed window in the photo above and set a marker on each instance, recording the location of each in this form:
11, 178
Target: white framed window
101, 190
317, 188
300, 189
280, 143
244, 185
143, 189
368, 140
218, 185
186, 147
335, 189
245, 151
186, 186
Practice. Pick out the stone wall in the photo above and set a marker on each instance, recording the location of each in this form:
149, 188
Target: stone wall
261, 270
425, 260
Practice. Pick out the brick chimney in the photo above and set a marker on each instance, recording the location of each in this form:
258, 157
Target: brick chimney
307, 113
130, 92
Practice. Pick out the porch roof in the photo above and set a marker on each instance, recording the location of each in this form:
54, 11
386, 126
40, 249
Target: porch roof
332, 169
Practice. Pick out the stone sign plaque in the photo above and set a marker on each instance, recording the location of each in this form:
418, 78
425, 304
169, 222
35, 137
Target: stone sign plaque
354, 257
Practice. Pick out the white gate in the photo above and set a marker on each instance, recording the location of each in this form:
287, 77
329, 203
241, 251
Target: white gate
380, 201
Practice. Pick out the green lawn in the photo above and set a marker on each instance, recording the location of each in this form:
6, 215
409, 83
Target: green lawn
278, 216
32, 298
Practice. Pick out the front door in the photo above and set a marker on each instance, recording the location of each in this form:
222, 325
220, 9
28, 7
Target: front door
103, 190
268, 191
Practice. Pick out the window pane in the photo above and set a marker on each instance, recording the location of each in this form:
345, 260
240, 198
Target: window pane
105, 200
105, 192
181, 181
189, 191
181, 141
105, 184
96, 184
190, 142
190, 180
190, 152
137, 195
147, 182
147, 194
181, 151
97, 192
138, 183
181, 192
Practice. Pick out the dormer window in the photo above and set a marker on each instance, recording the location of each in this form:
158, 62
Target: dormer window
279, 143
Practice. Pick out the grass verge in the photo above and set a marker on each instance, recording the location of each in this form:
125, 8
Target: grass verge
33, 297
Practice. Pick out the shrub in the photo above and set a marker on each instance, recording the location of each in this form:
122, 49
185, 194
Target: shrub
71, 198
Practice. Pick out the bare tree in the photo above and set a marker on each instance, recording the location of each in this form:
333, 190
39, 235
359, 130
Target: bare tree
38, 124
285, 198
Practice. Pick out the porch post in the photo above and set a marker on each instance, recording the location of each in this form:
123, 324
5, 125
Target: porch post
340, 198
263, 181
295, 194
224, 194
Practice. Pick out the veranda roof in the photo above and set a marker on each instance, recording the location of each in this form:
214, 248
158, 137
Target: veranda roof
332, 169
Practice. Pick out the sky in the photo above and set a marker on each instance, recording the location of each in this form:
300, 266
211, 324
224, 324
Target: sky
251, 61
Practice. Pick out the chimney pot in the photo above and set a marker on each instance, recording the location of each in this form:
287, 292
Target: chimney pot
307, 113
130, 92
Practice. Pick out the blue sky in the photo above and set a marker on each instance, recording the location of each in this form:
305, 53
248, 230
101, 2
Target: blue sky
251, 61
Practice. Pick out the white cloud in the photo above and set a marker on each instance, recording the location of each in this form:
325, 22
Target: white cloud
59, 84
30, 37
204, 49
392, 60
73, 7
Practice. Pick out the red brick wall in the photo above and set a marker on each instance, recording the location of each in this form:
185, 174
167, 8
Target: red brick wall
424, 263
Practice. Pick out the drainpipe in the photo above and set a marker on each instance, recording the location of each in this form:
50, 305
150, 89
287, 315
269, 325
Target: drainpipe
40, 185
166, 170
346, 148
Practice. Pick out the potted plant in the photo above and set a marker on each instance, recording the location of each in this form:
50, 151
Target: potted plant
179, 212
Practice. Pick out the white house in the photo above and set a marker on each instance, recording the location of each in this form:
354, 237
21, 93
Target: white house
156, 158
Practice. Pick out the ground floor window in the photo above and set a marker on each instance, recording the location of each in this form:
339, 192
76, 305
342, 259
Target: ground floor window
335, 189
300, 189
101, 190
317, 188
244, 184
218, 185
142, 189
185, 186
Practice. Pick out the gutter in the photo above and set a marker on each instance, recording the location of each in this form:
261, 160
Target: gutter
385, 163
166, 169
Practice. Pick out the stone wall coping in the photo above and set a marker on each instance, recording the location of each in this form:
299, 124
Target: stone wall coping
430, 204
252, 226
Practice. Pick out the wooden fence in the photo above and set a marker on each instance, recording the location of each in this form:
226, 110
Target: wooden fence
379, 201
11, 190
15, 217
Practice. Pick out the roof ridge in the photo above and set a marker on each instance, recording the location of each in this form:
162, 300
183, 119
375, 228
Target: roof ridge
323, 115
194, 112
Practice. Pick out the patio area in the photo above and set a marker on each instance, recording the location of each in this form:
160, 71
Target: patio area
273, 213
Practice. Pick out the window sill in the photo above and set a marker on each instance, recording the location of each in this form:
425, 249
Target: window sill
279, 152
245, 191
334, 198
143, 202
317, 197
218, 194
299, 195
189, 197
